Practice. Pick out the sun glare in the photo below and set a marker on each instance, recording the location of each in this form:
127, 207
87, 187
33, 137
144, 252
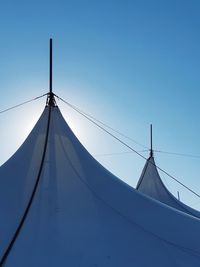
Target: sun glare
17, 126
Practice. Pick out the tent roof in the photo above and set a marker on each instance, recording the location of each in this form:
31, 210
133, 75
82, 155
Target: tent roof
80, 214
151, 184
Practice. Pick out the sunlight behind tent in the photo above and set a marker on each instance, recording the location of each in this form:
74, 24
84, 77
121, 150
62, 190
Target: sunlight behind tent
60, 207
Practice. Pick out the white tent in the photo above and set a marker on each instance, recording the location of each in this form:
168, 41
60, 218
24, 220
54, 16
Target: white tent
79, 214
151, 184
60, 207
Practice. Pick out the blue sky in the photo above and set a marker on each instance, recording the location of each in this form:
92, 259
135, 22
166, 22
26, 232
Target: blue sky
128, 63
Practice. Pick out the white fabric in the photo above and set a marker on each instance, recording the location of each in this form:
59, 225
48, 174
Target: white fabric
151, 184
17, 177
82, 215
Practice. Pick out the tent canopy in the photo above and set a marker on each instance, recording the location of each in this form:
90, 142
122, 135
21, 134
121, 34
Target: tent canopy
80, 214
60, 207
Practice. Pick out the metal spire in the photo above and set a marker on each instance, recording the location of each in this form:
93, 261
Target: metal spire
50, 66
50, 99
151, 142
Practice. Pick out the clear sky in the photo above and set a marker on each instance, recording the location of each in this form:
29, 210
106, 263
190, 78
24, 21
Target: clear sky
128, 63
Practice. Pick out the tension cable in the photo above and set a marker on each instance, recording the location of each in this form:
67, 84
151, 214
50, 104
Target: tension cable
21, 104
128, 146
